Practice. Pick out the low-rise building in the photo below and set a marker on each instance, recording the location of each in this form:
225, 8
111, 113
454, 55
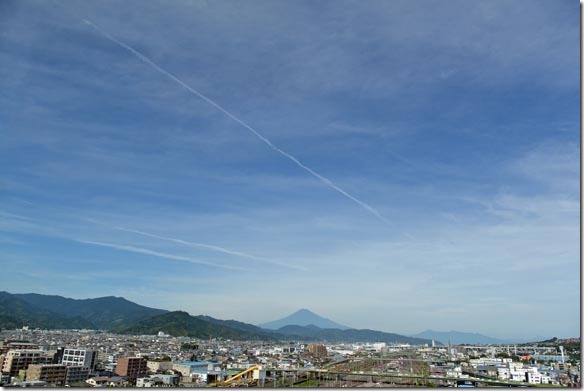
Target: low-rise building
158, 381
97, 381
487, 370
105, 381
167, 380
156, 366
186, 368
206, 376
145, 382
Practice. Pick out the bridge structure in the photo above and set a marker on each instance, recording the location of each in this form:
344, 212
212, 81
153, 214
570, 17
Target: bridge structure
524, 349
243, 377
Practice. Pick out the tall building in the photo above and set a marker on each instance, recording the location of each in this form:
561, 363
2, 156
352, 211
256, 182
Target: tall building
80, 357
133, 367
54, 374
317, 350
20, 359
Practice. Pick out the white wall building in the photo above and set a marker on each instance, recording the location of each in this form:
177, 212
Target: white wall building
80, 357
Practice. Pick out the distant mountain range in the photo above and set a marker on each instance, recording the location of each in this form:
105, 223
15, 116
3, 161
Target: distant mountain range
101, 313
180, 323
303, 317
459, 338
122, 316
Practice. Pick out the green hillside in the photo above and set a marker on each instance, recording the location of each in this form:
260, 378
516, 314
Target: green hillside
179, 323
104, 312
16, 313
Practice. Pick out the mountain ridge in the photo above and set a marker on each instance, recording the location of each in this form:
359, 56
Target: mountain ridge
348, 335
103, 312
303, 317
17, 313
182, 324
121, 315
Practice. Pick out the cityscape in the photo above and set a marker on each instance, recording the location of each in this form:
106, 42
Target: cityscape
272, 356
307, 193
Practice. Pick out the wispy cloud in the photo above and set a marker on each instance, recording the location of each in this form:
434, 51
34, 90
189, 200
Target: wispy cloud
15, 216
464, 163
214, 248
180, 82
140, 250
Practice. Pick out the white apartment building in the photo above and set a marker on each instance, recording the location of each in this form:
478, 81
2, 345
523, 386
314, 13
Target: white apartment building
533, 375
80, 357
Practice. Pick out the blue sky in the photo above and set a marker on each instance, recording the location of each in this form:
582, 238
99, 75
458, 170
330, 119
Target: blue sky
457, 122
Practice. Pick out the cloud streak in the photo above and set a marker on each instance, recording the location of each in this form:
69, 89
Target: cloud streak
211, 247
15, 216
161, 70
140, 250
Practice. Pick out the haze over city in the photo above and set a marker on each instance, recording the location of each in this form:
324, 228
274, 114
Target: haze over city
391, 165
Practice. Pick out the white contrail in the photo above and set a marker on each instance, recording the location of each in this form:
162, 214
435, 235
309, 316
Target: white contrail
12, 215
156, 254
326, 181
211, 247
